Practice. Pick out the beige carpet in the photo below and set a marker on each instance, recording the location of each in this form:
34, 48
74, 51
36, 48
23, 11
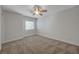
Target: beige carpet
38, 45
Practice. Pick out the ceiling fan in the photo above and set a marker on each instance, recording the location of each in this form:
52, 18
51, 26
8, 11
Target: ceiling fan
38, 10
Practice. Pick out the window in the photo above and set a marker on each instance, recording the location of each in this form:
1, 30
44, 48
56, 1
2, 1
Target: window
29, 25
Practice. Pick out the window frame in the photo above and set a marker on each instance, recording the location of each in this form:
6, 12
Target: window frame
29, 28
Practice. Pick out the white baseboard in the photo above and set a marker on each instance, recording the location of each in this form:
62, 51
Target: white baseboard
51, 37
18, 38
44, 35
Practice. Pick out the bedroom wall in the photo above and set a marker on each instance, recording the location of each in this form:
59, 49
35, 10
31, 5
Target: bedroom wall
0, 27
63, 26
14, 26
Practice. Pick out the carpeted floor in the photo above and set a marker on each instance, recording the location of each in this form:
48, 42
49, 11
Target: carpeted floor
38, 45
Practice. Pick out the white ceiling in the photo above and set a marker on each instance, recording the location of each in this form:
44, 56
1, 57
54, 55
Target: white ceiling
26, 9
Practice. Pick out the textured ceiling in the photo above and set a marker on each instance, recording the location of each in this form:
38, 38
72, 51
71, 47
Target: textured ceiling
26, 9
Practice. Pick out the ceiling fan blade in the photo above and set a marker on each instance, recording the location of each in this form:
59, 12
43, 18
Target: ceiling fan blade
41, 14
43, 10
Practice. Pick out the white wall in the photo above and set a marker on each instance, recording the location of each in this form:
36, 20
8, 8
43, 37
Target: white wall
0, 27
63, 26
14, 26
